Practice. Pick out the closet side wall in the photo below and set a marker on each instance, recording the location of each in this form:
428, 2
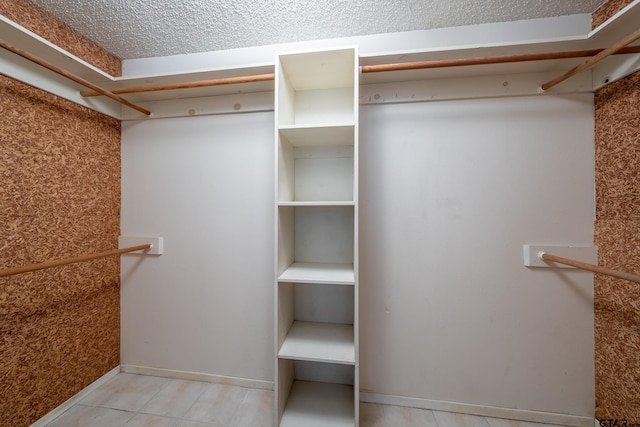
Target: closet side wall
617, 234
59, 197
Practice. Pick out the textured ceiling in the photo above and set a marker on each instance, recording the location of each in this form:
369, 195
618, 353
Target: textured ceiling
146, 28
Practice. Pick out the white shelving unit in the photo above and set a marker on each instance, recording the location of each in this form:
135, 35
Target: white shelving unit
316, 111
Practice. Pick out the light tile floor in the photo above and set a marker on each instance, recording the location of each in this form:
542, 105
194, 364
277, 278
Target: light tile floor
130, 400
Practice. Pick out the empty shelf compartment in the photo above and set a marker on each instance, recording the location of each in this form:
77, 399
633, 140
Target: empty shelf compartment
312, 404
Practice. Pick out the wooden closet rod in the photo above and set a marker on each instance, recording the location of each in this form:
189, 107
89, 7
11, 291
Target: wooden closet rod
616, 47
440, 63
71, 76
189, 85
65, 261
590, 267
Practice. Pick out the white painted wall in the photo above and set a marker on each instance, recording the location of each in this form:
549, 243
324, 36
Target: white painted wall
450, 191
206, 185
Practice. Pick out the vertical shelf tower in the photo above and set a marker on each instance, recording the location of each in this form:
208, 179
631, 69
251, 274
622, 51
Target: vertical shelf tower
316, 286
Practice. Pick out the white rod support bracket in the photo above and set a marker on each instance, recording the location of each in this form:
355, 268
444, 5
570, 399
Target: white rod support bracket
157, 244
533, 255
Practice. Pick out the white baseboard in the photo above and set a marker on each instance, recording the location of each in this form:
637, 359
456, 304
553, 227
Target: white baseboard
485, 411
197, 376
76, 398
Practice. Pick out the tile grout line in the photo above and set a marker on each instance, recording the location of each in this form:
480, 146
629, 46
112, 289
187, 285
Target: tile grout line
105, 399
154, 395
134, 412
436, 418
194, 400
183, 416
488, 421
244, 399
384, 416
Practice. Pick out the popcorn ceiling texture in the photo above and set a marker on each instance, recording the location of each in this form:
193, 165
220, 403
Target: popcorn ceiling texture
32, 18
147, 28
59, 197
617, 235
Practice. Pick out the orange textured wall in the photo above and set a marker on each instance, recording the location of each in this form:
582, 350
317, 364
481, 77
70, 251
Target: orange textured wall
59, 197
607, 10
617, 230
617, 234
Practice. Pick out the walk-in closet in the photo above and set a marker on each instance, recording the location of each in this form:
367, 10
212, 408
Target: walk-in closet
299, 214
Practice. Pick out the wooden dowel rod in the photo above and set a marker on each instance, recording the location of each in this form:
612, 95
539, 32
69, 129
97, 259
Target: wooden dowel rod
594, 59
71, 76
442, 63
590, 267
65, 261
189, 85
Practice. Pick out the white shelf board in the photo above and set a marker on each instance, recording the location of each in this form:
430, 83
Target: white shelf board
317, 203
321, 273
319, 134
313, 404
319, 342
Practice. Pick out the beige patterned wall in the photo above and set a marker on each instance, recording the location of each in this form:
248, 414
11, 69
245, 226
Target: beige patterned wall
59, 197
617, 234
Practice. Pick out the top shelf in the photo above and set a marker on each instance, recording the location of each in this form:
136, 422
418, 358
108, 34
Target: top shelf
319, 70
315, 88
